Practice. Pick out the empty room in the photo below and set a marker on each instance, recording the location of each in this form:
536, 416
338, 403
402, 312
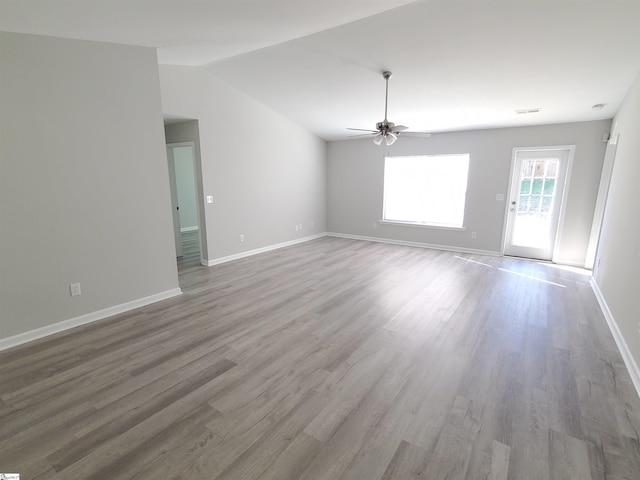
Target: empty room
347, 239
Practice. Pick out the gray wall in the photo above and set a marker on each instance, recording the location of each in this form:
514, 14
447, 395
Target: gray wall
617, 270
83, 180
355, 182
265, 173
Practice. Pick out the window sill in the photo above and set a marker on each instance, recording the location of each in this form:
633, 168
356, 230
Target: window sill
420, 225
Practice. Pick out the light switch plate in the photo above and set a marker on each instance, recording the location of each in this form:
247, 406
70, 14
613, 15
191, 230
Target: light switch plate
74, 289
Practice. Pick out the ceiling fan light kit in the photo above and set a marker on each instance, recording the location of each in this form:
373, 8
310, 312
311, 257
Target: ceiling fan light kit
390, 138
386, 130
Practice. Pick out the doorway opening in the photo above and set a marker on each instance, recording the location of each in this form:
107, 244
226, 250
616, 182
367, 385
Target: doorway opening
184, 203
536, 201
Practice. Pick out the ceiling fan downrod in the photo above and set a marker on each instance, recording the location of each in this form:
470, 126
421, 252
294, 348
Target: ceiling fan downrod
385, 127
386, 75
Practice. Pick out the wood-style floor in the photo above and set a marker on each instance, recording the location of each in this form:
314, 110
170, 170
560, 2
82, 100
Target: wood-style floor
332, 359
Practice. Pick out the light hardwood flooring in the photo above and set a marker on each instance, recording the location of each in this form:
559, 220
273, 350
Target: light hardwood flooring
332, 359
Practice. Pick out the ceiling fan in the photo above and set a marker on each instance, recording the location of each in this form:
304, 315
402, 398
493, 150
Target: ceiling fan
386, 130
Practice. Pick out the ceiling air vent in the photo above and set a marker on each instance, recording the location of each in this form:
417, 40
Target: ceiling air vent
527, 110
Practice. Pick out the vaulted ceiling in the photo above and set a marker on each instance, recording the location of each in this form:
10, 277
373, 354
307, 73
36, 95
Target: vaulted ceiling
457, 65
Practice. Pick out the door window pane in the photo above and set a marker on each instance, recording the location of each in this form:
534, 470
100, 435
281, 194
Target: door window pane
537, 186
527, 168
534, 203
549, 186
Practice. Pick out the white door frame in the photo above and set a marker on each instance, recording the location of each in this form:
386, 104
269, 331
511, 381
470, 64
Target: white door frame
563, 201
601, 201
175, 213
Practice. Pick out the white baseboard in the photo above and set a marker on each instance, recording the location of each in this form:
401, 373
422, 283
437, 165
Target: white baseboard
188, 229
447, 248
248, 253
629, 361
31, 335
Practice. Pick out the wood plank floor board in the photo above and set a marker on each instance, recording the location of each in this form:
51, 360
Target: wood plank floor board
66, 387
347, 438
499, 469
254, 461
134, 402
569, 457
408, 462
32, 445
18, 375
178, 456
300, 451
434, 403
109, 423
564, 403
38, 469
106, 454
501, 394
451, 454
345, 395
332, 359
529, 455
380, 444
145, 452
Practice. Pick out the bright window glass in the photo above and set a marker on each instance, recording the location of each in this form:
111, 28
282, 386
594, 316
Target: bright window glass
426, 189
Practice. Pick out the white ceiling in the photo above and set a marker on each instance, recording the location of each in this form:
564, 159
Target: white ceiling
457, 65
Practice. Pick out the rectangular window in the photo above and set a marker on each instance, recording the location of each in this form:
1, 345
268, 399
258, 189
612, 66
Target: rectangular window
426, 189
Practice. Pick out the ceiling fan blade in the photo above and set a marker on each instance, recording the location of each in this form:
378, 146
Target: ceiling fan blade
363, 130
398, 128
415, 134
362, 135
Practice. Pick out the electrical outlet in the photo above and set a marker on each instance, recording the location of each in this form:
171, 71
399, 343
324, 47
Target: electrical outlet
474, 235
74, 289
241, 238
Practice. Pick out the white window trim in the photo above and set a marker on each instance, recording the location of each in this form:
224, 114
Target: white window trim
433, 226
420, 225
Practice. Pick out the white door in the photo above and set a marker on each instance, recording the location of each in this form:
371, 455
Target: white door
536, 193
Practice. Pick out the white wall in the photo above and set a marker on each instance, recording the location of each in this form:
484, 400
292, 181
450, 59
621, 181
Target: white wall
83, 181
617, 270
265, 173
355, 182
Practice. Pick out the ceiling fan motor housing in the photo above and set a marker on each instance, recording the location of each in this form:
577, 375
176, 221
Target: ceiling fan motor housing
384, 127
